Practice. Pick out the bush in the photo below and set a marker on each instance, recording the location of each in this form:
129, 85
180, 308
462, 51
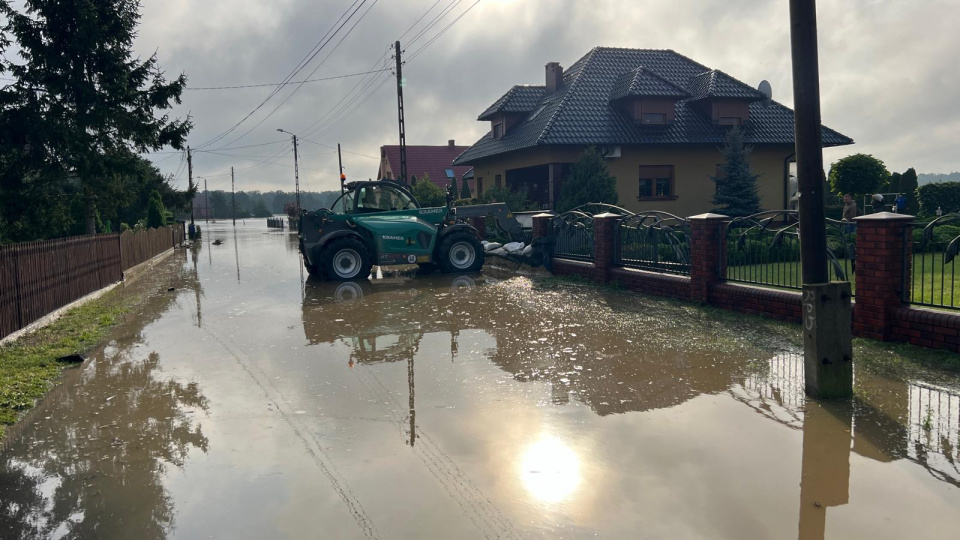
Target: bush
590, 182
156, 214
945, 195
429, 194
516, 201
942, 236
757, 251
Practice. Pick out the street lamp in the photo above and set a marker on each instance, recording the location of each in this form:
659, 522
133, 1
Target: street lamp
206, 200
296, 169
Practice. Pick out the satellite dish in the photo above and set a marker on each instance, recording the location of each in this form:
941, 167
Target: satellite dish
766, 90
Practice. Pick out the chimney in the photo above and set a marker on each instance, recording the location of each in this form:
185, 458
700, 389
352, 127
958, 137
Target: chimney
554, 76
450, 143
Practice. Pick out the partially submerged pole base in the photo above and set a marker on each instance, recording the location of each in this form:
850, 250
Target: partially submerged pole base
827, 343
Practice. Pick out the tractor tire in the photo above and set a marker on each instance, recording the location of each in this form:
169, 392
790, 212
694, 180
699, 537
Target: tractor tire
460, 252
345, 258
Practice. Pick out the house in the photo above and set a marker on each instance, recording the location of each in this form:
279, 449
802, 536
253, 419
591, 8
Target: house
657, 116
434, 161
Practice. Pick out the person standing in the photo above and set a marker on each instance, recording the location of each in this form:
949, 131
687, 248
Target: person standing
850, 229
877, 202
900, 203
849, 208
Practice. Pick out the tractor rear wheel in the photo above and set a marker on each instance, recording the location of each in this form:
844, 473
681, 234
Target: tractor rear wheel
460, 252
345, 258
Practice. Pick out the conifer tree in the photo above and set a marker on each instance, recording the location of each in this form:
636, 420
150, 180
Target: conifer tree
465, 190
589, 182
737, 193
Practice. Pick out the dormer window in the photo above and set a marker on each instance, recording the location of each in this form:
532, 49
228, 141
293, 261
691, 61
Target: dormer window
497, 130
654, 118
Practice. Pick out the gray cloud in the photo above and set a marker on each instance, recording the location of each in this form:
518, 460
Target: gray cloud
888, 76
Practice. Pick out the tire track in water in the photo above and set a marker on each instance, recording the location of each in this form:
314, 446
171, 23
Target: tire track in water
312, 445
474, 504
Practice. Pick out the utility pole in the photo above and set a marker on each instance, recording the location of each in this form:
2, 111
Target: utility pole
190, 183
340, 160
296, 173
828, 350
233, 196
206, 201
403, 134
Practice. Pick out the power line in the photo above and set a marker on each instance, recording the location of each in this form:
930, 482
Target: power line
333, 147
299, 67
281, 83
434, 38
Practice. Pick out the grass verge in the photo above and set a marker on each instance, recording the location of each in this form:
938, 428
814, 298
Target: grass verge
29, 365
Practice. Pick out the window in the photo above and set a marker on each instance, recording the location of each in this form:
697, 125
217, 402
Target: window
383, 198
730, 121
496, 180
656, 182
654, 118
497, 131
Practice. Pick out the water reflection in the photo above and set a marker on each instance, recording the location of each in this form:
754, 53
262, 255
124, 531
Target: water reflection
825, 473
550, 470
92, 462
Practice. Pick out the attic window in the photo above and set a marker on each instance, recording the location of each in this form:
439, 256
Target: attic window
654, 118
449, 173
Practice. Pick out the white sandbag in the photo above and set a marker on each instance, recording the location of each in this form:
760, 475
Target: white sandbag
484, 243
491, 246
513, 247
499, 251
527, 250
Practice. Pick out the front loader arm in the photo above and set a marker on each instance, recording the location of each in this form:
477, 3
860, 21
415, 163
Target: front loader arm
504, 219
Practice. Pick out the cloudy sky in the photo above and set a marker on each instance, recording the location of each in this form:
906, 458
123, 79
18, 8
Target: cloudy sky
889, 75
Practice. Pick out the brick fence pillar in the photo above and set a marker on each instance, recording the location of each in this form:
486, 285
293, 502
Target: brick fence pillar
882, 268
480, 224
705, 255
541, 225
604, 244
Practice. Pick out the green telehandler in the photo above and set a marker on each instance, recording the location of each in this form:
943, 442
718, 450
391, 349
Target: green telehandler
381, 223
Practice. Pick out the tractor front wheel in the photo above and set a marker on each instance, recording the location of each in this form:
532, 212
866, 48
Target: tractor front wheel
460, 252
345, 258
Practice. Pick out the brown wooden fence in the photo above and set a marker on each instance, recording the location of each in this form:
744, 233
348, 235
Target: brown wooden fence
39, 277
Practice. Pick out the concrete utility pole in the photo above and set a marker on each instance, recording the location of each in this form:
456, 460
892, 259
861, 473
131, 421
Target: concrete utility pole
233, 196
827, 346
403, 134
206, 201
296, 169
190, 183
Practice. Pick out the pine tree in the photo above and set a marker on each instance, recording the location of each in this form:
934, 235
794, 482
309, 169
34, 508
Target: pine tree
590, 182
465, 190
93, 104
908, 186
156, 213
454, 188
737, 193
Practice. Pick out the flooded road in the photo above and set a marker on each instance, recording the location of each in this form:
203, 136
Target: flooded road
249, 403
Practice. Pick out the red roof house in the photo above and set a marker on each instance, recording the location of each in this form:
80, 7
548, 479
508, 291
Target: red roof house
435, 161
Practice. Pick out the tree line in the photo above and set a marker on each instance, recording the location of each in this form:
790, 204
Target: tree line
74, 121
260, 204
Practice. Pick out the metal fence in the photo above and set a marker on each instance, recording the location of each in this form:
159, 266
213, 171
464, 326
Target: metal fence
933, 279
572, 231
764, 249
37, 278
655, 241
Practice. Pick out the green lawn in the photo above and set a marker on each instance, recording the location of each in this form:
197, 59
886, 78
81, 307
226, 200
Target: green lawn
931, 282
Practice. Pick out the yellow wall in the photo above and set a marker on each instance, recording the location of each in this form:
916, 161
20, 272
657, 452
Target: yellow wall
693, 166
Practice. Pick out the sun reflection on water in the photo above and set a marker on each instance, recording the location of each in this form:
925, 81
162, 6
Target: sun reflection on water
550, 470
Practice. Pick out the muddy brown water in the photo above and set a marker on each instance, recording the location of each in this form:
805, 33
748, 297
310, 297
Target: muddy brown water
249, 403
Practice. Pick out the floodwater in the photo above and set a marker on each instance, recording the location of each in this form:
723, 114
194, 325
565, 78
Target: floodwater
249, 403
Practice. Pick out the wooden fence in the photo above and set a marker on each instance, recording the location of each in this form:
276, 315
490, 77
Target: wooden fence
37, 278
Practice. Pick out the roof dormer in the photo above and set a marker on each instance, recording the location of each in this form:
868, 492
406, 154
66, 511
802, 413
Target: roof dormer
725, 100
646, 97
512, 107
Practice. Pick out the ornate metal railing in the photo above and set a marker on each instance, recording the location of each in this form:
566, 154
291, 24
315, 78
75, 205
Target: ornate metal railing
572, 233
933, 279
764, 249
655, 241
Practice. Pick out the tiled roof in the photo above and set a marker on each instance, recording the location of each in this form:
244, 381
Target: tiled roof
643, 82
715, 83
580, 111
432, 160
519, 99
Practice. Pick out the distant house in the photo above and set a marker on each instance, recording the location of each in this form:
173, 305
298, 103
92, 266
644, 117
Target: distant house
657, 116
434, 161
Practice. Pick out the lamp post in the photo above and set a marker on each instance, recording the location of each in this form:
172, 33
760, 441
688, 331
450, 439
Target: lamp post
296, 169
